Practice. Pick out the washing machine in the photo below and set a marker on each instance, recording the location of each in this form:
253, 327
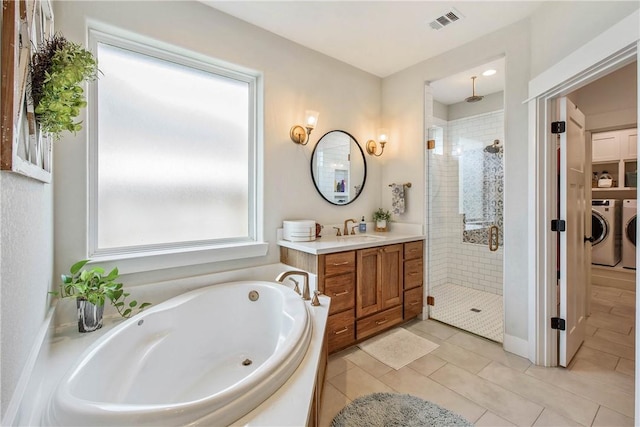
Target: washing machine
606, 230
629, 209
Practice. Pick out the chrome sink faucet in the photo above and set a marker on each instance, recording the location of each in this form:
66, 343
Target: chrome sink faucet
346, 228
305, 287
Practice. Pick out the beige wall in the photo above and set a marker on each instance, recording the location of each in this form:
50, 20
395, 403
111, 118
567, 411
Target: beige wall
564, 26
491, 102
560, 27
403, 110
295, 79
610, 102
25, 271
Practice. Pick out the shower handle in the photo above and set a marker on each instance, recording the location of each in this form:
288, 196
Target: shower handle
494, 238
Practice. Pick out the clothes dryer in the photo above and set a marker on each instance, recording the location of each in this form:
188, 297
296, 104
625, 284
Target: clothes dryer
606, 231
629, 210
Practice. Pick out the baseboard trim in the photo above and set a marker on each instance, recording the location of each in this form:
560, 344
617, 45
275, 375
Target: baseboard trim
516, 345
616, 277
13, 408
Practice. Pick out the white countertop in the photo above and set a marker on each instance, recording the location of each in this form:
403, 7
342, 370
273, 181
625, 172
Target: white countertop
330, 243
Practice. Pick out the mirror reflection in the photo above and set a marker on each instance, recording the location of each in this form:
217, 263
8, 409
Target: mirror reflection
338, 167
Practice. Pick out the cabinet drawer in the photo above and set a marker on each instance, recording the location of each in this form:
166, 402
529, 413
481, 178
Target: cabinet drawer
413, 273
413, 250
341, 330
342, 262
341, 290
378, 322
412, 303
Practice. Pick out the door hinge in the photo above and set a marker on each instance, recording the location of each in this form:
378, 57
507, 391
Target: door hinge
558, 127
558, 225
431, 300
558, 274
431, 144
558, 323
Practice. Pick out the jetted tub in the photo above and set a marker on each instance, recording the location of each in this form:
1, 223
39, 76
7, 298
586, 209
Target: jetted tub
206, 357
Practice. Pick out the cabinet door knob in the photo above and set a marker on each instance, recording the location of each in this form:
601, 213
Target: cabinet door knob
340, 263
338, 294
381, 322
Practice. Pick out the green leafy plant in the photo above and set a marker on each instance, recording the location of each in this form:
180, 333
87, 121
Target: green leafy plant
58, 69
96, 287
382, 215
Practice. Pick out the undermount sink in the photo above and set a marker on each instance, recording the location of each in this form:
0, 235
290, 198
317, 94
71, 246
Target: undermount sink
359, 238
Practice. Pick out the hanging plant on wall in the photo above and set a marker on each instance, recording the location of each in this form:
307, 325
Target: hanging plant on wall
58, 69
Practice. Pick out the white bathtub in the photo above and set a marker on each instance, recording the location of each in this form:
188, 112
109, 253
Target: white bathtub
181, 362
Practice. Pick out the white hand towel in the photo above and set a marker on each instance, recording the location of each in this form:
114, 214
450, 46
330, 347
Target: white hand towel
397, 199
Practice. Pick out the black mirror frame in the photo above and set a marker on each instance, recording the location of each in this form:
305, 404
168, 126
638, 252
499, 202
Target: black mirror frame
364, 160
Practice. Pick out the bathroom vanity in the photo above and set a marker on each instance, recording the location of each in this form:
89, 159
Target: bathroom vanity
374, 280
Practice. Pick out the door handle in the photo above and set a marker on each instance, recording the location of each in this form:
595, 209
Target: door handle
494, 237
589, 239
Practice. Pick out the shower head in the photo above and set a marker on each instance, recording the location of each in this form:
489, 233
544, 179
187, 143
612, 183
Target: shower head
493, 148
474, 97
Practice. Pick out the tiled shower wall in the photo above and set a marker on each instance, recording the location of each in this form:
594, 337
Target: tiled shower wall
333, 166
452, 260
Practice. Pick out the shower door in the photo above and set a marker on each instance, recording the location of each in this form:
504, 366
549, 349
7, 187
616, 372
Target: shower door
465, 233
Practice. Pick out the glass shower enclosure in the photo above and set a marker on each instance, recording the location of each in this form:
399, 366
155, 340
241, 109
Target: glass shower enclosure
465, 189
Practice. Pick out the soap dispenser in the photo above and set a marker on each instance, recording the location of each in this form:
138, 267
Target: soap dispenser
362, 228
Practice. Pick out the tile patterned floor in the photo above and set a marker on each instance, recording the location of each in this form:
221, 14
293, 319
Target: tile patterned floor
458, 306
475, 378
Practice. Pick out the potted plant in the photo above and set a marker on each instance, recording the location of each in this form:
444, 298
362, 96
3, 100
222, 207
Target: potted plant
58, 69
381, 217
91, 288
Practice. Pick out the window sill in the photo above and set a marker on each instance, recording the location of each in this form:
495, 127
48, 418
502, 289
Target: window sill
156, 260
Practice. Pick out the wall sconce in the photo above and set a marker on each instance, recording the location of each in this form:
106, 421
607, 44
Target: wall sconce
382, 139
298, 133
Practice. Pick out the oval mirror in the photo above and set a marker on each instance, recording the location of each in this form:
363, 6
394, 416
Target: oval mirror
338, 167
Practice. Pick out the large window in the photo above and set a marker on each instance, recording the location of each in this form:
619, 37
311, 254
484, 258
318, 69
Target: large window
173, 155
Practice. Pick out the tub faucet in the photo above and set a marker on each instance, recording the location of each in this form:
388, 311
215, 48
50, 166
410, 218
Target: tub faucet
305, 287
346, 228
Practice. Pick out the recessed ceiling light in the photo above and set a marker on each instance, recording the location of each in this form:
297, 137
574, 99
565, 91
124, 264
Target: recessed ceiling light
489, 73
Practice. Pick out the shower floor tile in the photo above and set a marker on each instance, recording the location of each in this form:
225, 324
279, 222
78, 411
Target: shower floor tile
469, 309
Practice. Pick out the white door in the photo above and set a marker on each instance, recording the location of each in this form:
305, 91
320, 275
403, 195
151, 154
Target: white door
573, 209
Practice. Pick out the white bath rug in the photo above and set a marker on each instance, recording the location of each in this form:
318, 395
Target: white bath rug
398, 347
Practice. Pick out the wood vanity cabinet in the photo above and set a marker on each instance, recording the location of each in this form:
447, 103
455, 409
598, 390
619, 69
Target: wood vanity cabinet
379, 288
337, 280
413, 279
371, 289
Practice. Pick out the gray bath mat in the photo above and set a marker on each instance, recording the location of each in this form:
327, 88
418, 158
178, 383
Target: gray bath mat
395, 410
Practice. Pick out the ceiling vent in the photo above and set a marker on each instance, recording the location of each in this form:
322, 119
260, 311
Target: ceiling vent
447, 18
